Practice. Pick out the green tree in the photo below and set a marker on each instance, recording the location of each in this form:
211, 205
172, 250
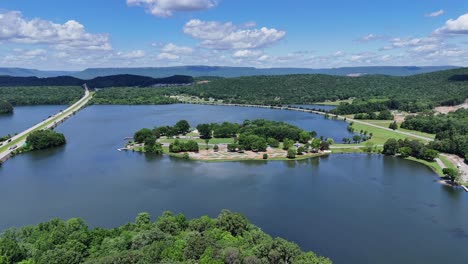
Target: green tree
5, 107
300, 150
405, 152
357, 139
272, 142
430, 154
141, 135
234, 223
393, 125
42, 139
287, 143
453, 174
204, 130
182, 127
265, 156
291, 153
304, 137
391, 147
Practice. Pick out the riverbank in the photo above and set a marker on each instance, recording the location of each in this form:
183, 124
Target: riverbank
19, 140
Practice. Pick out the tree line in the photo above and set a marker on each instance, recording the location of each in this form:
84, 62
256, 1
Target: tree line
406, 148
5, 107
132, 96
411, 93
228, 238
41, 95
451, 130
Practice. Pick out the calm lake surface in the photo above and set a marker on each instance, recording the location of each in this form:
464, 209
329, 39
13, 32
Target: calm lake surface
25, 117
353, 208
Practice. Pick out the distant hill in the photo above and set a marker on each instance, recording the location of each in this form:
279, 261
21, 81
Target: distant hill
125, 80
22, 72
198, 71
409, 93
228, 72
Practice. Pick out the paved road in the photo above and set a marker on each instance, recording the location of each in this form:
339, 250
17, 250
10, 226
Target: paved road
20, 139
460, 164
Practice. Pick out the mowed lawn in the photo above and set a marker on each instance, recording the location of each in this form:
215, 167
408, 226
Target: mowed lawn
380, 135
386, 123
199, 140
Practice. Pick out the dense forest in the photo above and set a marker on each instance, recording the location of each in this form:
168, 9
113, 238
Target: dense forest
41, 95
412, 93
125, 80
132, 96
451, 130
229, 238
5, 107
42, 139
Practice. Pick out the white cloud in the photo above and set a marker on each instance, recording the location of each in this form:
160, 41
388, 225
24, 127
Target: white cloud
168, 56
454, 26
70, 35
436, 13
174, 49
369, 37
247, 53
411, 42
217, 35
166, 8
135, 54
339, 53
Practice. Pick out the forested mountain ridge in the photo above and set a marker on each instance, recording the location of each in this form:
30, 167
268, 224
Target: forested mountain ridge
99, 82
423, 90
230, 72
220, 71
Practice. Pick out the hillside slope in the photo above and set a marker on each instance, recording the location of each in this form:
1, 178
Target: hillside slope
197, 71
99, 82
433, 88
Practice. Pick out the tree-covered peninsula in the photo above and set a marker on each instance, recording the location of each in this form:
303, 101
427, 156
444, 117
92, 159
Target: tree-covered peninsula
229, 238
5, 107
231, 141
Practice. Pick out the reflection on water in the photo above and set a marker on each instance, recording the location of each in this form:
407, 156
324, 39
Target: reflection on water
352, 208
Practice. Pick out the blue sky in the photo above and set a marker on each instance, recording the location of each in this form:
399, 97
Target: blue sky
73, 35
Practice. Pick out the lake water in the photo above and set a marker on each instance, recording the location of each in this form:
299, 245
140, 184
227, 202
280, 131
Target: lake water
25, 117
353, 208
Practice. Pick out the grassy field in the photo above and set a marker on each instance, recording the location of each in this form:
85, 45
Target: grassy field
431, 164
199, 140
335, 103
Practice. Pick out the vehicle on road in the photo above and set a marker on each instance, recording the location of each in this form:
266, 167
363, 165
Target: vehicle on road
13, 147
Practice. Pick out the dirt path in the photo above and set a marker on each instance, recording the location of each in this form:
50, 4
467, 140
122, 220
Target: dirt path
458, 162
447, 109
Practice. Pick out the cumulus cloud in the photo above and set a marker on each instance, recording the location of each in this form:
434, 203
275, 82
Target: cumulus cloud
70, 35
135, 54
174, 49
166, 8
227, 36
168, 56
454, 26
436, 13
247, 53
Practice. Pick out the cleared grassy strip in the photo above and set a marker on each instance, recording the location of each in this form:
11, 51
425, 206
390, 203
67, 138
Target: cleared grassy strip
199, 140
335, 103
431, 164
447, 162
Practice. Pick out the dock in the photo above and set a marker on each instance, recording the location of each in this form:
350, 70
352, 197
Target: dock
465, 188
